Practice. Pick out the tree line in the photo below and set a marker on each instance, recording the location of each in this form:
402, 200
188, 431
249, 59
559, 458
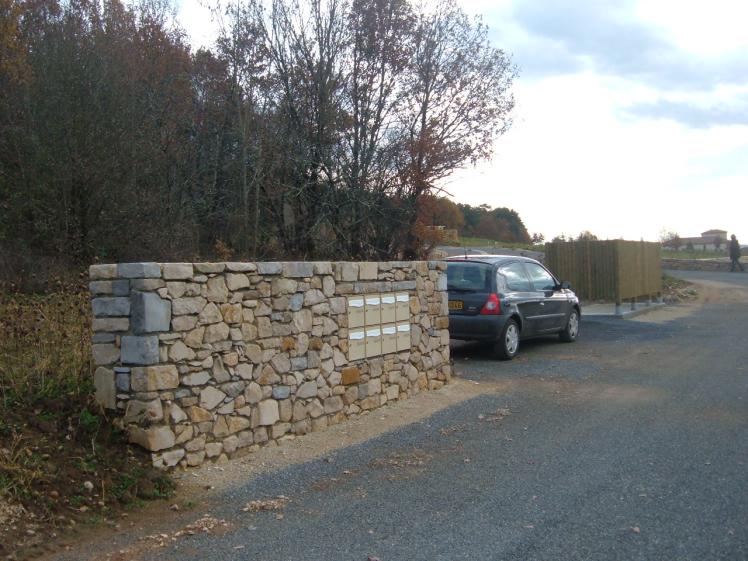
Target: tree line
311, 129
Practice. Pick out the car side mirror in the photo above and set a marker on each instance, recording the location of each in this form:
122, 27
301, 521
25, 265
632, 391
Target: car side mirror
565, 285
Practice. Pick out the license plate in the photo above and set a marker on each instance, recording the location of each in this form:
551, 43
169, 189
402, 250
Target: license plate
455, 304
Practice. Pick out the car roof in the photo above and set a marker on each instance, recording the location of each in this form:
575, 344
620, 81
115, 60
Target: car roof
489, 259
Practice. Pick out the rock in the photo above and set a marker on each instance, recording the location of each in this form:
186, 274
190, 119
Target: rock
111, 307
333, 404
303, 320
253, 353
253, 393
176, 414
208, 268
281, 392
219, 372
99, 272
314, 296
217, 290
199, 415
149, 313
111, 324
232, 313
241, 267
138, 270
281, 286
143, 411
152, 438
187, 306
105, 388
172, 457
296, 269
236, 281
269, 413
183, 323
269, 268
236, 424
347, 271
154, 378
281, 363
105, 353
210, 397
368, 271
244, 371
216, 332
210, 314
178, 271
307, 390
179, 352
195, 337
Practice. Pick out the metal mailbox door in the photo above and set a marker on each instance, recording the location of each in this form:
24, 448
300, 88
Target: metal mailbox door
389, 339
373, 342
356, 312
373, 310
356, 345
403, 336
402, 306
388, 308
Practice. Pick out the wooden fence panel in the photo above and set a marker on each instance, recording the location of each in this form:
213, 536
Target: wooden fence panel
612, 270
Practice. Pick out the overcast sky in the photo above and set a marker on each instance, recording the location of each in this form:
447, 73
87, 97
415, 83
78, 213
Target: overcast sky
631, 117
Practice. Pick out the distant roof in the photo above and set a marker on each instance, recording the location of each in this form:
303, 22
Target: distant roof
712, 232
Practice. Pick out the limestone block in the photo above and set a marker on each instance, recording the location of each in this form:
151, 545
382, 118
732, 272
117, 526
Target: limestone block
346, 271
179, 352
139, 270
100, 288
236, 281
368, 271
199, 415
217, 290
268, 411
194, 338
253, 393
213, 449
322, 268
241, 267
111, 306
111, 324
176, 414
244, 371
281, 392
233, 389
333, 404
210, 267
172, 457
149, 313
282, 285
144, 411
296, 269
279, 430
195, 458
152, 438
303, 320
183, 323
232, 313
314, 296
105, 353
154, 378
270, 268
122, 380
328, 286
237, 424
404, 285
102, 272
210, 397
140, 349
178, 271
105, 388
338, 305
350, 375
191, 305
147, 285
210, 314
216, 332
281, 363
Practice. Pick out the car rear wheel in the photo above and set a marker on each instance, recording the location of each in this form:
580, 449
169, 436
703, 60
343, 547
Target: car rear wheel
570, 332
508, 343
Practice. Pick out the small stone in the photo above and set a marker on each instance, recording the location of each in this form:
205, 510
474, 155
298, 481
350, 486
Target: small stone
196, 378
210, 397
307, 390
111, 307
236, 281
153, 438
210, 314
199, 415
102, 272
179, 352
154, 378
105, 353
269, 413
178, 271
187, 306
217, 290
216, 332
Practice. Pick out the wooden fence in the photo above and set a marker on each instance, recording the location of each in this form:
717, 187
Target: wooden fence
611, 270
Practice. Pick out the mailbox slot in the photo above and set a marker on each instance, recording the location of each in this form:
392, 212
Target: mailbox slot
389, 339
356, 312
373, 342
373, 310
356, 345
389, 314
403, 336
402, 307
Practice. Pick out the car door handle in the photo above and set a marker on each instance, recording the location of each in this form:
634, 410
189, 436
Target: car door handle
542, 303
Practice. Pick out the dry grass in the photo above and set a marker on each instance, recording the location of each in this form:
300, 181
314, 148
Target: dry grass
45, 347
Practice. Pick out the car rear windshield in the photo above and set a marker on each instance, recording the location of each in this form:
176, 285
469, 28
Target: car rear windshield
469, 277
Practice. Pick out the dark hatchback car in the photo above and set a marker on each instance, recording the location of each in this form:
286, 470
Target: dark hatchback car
505, 298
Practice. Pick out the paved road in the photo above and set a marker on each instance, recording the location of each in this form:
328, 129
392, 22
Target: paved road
630, 444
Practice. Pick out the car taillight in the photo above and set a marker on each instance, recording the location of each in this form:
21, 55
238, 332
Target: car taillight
492, 307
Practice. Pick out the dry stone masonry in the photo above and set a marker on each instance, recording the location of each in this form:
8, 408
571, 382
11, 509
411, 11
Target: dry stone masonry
205, 361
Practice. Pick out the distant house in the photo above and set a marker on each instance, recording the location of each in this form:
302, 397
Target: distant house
711, 239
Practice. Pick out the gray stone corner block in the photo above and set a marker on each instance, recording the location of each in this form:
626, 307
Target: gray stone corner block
140, 350
149, 313
298, 269
139, 270
117, 306
178, 271
270, 268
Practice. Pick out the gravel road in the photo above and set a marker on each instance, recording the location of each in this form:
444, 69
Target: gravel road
631, 443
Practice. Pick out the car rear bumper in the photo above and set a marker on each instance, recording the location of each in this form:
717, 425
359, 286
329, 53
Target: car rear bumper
476, 328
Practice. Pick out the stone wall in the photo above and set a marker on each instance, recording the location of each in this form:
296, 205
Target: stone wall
205, 361
696, 264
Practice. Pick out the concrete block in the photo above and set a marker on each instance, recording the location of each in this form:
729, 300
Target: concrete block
270, 268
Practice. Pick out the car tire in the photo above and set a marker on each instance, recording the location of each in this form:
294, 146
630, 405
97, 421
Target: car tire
571, 331
507, 345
